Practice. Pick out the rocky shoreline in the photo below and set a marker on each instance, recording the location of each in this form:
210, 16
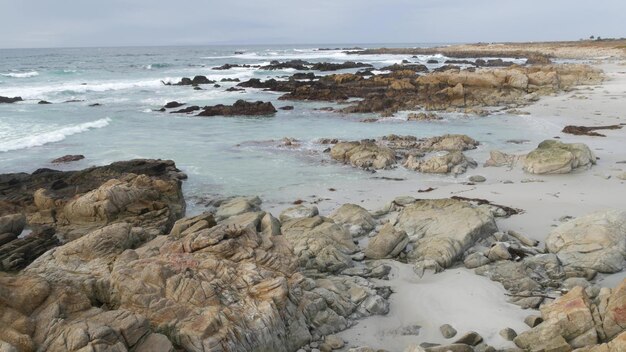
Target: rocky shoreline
106, 258
103, 258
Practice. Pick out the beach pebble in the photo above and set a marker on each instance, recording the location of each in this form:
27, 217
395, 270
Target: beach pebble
508, 334
477, 178
499, 251
447, 331
475, 260
533, 320
334, 341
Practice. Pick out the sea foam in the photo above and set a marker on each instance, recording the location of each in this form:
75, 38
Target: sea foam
20, 74
40, 139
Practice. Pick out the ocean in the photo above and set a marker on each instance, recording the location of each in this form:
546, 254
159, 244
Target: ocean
222, 155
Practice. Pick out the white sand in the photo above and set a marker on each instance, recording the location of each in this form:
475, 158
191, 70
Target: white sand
457, 296
467, 301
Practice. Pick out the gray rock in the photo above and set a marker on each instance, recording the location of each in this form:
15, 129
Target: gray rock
508, 334
447, 331
471, 338
477, 179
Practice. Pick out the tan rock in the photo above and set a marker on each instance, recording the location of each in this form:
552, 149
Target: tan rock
388, 243
596, 241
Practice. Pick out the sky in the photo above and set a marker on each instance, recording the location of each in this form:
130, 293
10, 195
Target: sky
88, 23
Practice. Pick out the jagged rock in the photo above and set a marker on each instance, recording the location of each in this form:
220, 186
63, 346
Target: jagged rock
554, 157
568, 321
596, 241
354, 219
299, 211
388, 243
363, 154
498, 158
319, 243
450, 162
532, 274
441, 230
239, 108
62, 206
423, 116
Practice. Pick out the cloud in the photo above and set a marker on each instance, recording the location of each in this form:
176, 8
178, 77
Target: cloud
44, 23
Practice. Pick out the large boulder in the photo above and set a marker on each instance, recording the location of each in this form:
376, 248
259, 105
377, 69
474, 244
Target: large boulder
441, 230
596, 241
364, 154
355, 219
237, 206
320, 243
298, 211
554, 157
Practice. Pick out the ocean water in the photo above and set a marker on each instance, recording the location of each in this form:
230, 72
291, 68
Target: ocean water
221, 155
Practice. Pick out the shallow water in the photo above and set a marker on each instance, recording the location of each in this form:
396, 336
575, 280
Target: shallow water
226, 156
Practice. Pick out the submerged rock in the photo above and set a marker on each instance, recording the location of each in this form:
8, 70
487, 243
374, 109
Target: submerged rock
7, 100
68, 158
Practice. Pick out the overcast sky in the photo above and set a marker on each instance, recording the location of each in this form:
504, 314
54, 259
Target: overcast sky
75, 23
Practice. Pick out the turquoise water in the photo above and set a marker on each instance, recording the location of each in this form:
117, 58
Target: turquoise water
226, 156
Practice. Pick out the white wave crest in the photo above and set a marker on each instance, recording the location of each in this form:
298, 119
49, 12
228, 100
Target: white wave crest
40, 139
20, 74
42, 91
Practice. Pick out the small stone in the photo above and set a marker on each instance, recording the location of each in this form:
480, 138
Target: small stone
472, 338
533, 320
499, 251
447, 331
477, 179
483, 347
334, 341
475, 260
508, 334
